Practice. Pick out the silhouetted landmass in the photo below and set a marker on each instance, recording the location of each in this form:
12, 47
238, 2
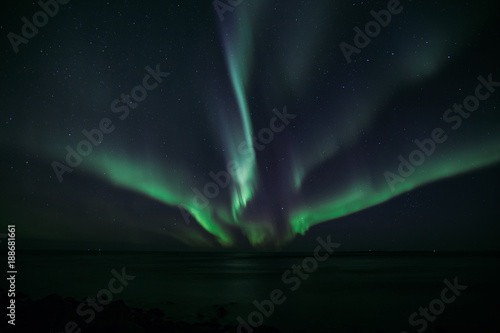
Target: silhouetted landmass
53, 313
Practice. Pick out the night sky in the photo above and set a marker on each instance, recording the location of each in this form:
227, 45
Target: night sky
159, 104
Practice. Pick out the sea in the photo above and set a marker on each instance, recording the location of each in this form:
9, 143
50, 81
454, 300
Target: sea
348, 292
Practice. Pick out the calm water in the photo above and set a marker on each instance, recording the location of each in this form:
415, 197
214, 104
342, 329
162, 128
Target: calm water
347, 293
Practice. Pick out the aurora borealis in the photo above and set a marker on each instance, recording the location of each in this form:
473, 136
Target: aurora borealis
220, 113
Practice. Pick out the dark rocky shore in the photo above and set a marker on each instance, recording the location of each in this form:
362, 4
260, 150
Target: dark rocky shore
55, 314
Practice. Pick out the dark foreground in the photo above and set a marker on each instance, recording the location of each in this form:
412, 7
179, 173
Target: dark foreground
55, 314
211, 292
